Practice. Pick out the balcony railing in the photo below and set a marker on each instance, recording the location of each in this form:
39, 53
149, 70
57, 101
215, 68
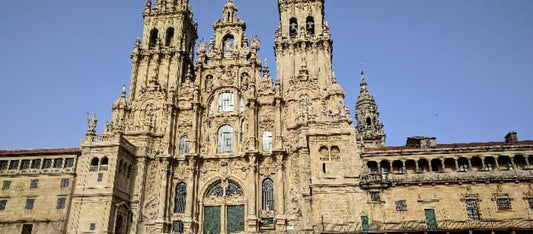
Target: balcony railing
451, 177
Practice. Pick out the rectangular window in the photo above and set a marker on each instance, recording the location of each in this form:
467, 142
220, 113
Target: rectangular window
6, 185
92, 226
29, 204
225, 102
25, 164
27, 228
3, 165
14, 165
267, 141
61, 202
36, 164
58, 163
34, 183
47, 163
472, 209
69, 162
530, 201
401, 205
375, 196
64, 182
3, 204
100, 177
503, 203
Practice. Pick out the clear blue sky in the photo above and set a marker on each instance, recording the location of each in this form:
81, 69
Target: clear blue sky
461, 71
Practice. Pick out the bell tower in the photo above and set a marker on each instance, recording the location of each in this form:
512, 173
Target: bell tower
369, 129
302, 40
162, 59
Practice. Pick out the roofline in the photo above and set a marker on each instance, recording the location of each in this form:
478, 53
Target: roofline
448, 146
41, 151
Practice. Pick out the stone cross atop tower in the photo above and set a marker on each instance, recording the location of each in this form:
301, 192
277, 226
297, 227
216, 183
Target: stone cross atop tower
369, 128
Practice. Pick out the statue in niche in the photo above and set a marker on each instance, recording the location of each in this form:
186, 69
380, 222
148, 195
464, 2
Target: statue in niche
209, 82
244, 81
228, 46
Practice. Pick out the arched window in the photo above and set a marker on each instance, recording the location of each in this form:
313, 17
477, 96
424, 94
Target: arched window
267, 141
310, 25
225, 139
215, 190
184, 145
368, 121
94, 161
293, 27
94, 164
181, 196
268, 194
104, 163
233, 189
335, 153
169, 37
153, 38
225, 102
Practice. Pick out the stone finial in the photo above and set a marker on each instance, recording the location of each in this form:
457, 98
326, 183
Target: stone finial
363, 81
266, 70
91, 124
148, 6
123, 93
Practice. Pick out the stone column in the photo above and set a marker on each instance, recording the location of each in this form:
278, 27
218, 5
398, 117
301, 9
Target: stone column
252, 195
278, 140
279, 193
138, 194
161, 220
193, 144
134, 74
191, 192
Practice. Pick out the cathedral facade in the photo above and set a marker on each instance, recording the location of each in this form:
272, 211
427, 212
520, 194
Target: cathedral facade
211, 143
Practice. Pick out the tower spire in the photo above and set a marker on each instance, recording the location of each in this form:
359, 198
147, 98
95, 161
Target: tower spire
368, 127
363, 81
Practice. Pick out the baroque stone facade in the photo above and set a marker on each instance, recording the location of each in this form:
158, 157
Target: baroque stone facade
212, 144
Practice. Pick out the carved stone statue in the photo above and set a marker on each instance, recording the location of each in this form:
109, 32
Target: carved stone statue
91, 124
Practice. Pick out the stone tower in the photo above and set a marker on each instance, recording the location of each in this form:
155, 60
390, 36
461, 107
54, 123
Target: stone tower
303, 45
124, 174
369, 128
317, 133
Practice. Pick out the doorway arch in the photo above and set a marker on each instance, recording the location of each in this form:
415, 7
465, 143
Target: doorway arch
223, 208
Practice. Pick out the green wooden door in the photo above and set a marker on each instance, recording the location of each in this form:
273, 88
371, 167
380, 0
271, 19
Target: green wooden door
212, 220
235, 219
364, 223
431, 220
